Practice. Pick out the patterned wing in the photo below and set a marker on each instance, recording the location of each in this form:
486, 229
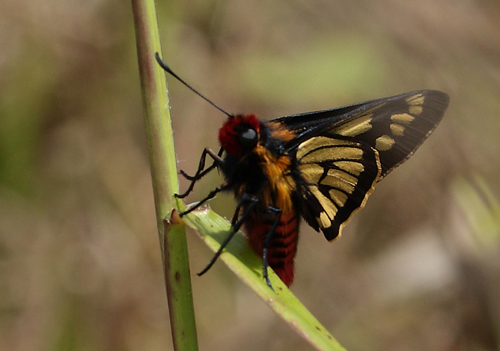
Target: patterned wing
338, 176
396, 127
342, 153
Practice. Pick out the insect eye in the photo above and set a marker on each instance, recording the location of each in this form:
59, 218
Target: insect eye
248, 137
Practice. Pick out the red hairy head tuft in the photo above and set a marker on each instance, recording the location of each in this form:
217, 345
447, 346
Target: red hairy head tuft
231, 129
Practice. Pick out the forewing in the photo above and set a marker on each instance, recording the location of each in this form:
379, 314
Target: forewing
337, 175
394, 126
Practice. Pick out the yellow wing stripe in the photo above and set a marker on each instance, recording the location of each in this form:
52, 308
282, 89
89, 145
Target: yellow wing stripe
354, 168
334, 153
329, 208
417, 99
384, 143
397, 129
402, 118
338, 197
319, 143
312, 173
332, 169
357, 126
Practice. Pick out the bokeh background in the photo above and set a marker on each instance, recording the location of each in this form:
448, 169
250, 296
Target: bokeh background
80, 268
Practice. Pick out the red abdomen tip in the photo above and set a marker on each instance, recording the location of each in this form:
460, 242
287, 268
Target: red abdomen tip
283, 246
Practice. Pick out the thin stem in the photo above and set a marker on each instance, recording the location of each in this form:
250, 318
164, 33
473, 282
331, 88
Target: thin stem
171, 230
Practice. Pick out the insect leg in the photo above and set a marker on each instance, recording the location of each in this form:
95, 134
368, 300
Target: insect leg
201, 172
252, 203
267, 242
211, 195
245, 198
201, 165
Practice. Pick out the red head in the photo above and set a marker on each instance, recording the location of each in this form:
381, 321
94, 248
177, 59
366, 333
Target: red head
239, 133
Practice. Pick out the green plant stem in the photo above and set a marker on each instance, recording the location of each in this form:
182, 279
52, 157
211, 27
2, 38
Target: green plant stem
247, 265
164, 177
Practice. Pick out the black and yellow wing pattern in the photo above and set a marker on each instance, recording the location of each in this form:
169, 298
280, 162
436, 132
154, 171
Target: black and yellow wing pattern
342, 153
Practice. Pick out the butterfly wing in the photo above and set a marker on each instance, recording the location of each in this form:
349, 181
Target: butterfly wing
395, 126
342, 153
337, 176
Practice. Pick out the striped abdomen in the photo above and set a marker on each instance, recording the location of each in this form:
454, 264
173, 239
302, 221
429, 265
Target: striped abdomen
283, 245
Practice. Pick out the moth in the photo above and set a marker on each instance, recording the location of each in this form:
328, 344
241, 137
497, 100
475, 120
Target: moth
318, 166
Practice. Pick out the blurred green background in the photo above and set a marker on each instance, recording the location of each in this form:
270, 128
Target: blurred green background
80, 268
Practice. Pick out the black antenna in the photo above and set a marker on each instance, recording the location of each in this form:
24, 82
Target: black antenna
168, 70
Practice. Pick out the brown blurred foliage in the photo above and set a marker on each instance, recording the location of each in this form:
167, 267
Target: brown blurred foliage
80, 268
